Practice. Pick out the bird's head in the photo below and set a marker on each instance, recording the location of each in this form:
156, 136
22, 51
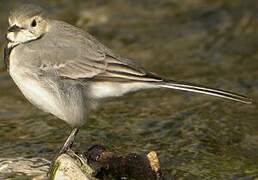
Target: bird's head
26, 23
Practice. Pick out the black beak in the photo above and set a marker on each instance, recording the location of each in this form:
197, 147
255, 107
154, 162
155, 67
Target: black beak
14, 28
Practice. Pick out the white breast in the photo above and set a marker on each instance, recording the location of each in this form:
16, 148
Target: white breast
33, 90
48, 92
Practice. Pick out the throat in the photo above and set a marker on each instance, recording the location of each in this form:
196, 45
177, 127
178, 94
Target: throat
12, 44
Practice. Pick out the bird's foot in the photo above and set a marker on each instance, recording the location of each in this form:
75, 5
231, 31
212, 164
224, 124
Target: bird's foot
66, 147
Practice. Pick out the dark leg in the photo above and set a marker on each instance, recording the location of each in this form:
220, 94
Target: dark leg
69, 141
67, 145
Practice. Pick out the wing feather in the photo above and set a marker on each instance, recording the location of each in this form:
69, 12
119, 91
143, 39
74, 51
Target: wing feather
75, 54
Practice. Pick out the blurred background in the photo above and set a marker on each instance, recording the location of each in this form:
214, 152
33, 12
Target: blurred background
214, 43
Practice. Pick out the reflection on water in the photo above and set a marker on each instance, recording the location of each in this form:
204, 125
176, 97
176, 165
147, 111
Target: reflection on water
212, 43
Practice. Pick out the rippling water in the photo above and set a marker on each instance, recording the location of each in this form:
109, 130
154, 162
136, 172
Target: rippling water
211, 43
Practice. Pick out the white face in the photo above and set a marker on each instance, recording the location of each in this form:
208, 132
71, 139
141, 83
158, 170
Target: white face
26, 29
20, 35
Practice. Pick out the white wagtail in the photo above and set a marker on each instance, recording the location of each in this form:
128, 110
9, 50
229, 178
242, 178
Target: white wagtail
64, 71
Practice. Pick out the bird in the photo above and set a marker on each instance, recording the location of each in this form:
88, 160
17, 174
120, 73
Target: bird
65, 71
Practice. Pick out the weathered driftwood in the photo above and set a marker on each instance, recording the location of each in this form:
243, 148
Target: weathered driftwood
96, 163
99, 163
71, 166
32, 168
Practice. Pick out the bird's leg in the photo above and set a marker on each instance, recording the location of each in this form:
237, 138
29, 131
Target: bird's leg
69, 141
67, 145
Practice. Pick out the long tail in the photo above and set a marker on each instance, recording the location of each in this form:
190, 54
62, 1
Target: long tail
205, 90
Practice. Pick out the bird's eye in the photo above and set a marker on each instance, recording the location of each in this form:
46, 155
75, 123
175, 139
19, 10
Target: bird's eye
33, 23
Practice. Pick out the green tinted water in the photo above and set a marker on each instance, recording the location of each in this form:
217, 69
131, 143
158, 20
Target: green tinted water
195, 136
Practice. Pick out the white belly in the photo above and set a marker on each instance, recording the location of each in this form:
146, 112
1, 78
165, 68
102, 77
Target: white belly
36, 93
68, 105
